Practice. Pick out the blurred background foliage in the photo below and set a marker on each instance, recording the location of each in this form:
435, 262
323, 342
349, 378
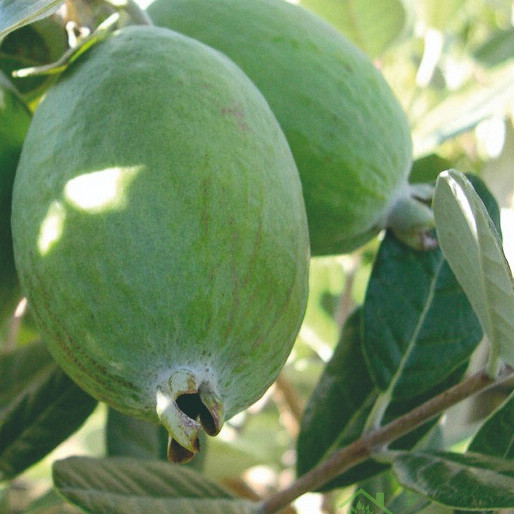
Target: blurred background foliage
451, 64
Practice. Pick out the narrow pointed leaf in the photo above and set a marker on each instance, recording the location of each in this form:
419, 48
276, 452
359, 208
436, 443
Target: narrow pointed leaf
462, 481
338, 409
418, 324
121, 485
40, 407
496, 436
473, 249
17, 13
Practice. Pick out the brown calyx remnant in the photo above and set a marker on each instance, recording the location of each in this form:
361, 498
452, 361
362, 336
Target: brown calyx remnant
187, 406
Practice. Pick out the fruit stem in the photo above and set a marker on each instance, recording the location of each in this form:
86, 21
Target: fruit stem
411, 219
185, 405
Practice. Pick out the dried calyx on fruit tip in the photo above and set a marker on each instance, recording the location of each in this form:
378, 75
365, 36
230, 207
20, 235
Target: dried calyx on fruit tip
185, 405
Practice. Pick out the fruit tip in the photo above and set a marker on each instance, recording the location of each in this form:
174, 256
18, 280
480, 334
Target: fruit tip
185, 405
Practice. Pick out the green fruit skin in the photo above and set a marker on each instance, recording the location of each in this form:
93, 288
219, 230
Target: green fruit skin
14, 123
192, 253
348, 134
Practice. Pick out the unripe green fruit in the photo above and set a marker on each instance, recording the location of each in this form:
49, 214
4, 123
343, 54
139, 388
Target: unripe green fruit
14, 122
160, 232
348, 133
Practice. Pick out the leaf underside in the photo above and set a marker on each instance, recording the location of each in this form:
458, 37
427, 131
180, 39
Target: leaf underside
121, 485
472, 246
462, 481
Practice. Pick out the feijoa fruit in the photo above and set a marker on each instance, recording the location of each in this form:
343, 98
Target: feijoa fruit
160, 232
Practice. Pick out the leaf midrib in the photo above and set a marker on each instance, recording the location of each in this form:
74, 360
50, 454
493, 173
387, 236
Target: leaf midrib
389, 392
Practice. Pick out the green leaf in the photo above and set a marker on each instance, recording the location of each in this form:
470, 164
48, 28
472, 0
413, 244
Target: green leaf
371, 25
427, 168
338, 409
17, 13
489, 201
462, 481
121, 485
497, 48
496, 436
40, 407
473, 249
418, 326
130, 437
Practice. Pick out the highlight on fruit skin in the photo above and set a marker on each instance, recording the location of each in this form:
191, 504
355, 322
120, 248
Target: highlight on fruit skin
160, 232
348, 133
14, 122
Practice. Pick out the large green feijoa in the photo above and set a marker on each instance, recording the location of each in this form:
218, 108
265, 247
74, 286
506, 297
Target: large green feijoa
14, 122
348, 133
160, 232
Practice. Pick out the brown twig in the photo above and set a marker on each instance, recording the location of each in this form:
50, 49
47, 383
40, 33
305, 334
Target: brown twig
363, 448
289, 404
